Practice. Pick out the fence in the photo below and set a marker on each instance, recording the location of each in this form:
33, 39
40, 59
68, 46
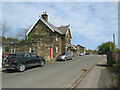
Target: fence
113, 57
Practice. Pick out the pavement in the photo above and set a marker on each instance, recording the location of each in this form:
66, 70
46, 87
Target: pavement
98, 77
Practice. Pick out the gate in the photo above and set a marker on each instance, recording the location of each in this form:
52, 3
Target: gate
109, 58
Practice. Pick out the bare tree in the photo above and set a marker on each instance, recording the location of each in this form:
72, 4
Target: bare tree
5, 28
21, 34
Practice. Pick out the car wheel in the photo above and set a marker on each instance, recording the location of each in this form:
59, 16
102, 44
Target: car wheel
65, 59
21, 67
42, 63
72, 58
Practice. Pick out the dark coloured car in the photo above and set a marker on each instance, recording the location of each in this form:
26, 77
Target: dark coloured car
65, 56
21, 61
88, 53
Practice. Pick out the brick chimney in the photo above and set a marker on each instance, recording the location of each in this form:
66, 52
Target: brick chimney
45, 16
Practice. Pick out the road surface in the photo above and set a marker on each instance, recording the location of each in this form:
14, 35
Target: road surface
98, 77
55, 74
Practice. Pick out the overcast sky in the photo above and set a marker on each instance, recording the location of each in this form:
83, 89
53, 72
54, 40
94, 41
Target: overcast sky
90, 23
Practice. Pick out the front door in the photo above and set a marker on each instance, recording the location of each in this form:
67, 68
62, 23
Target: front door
51, 52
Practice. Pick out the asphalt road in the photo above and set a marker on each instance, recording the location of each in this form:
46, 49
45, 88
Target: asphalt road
98, 77
55, 74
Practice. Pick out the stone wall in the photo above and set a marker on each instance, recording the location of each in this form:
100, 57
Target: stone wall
116, 57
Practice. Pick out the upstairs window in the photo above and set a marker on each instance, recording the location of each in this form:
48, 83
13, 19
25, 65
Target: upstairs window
56, 39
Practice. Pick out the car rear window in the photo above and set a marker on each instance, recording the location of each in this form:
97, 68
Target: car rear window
11, 56
62, 53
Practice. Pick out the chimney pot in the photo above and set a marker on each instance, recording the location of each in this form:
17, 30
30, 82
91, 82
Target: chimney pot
45, 16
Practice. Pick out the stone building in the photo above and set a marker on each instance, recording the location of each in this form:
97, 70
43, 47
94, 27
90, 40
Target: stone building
44, 39
81, 49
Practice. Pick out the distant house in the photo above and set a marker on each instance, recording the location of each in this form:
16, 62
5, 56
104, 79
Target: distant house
81, 49
73, 49
44, 39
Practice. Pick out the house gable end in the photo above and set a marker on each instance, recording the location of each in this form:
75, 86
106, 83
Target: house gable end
39, 31
69, 33
36, 23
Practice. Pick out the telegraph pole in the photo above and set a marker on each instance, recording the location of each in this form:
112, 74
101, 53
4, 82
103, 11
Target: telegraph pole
114, 40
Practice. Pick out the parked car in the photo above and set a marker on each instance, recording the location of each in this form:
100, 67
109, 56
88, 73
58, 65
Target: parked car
65, 56
88, 53
21, 61
81, 54
4, 55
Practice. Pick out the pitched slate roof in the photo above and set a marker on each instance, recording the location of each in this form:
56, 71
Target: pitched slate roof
80, 46
52, 27
61, 30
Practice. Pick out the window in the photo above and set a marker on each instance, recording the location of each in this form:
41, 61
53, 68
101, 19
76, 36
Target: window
26, 55
13, 50
6, 49
31, 50
56, 49
70, 53
20, 55
33, 55
56, 39
11, 56
62, 53
67, 53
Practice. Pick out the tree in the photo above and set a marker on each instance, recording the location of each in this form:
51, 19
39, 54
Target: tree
92, 51
21, 34
7, 40
108, 46
5, 28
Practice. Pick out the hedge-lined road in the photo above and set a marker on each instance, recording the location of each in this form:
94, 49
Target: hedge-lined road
55, 74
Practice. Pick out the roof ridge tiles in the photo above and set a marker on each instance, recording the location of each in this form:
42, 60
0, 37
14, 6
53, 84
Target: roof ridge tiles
60, 30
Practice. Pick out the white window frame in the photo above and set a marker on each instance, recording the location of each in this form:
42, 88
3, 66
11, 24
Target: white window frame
13, 50
57, 49
56, 39
31, 50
